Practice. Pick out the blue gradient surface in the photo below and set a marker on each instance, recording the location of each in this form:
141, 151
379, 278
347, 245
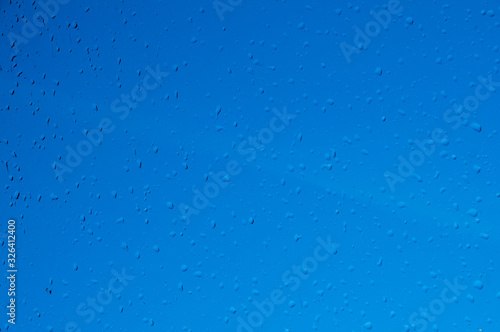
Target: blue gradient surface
251, 165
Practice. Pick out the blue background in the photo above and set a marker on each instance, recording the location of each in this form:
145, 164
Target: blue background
129, 205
